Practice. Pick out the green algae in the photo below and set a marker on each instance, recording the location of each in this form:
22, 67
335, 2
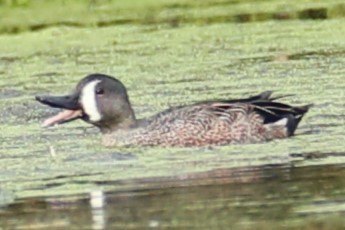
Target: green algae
17, 16
219, 61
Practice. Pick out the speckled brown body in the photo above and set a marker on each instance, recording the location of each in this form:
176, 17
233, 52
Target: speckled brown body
199, 125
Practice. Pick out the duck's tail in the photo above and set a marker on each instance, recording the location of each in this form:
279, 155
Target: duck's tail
294, 118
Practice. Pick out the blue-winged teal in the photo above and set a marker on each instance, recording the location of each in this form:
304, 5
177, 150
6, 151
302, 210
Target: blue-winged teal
102, 101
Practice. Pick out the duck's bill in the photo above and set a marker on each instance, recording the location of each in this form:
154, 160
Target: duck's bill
69, 102
70, 105
62, 117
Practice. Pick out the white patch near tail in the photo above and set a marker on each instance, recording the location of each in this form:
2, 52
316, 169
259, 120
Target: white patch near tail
88, 101
281, 122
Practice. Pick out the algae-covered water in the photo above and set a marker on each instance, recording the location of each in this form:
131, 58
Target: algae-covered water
168, 54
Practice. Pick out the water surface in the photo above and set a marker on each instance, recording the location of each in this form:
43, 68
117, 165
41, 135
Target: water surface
283, 197
295, 183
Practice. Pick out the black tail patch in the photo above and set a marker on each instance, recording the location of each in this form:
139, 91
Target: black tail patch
293, 120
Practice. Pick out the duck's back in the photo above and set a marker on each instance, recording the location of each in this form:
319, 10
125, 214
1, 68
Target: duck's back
212, 123
205, 124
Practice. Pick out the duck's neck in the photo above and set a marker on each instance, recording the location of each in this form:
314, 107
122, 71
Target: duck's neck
121, 123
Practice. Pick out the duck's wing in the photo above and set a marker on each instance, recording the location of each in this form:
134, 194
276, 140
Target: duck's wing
262, 108
251, 119
264, 96
272, 112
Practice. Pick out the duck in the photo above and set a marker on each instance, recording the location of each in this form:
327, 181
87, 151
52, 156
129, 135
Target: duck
102, 100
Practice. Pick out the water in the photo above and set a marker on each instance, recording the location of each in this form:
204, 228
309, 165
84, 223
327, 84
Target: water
47, 175
270, 197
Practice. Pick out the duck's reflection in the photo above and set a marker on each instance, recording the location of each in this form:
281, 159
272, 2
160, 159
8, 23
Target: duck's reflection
97, 202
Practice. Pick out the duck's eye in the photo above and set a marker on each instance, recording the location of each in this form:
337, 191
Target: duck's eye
100, 91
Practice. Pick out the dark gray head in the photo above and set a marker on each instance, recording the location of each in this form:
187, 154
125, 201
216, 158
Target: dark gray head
98, 99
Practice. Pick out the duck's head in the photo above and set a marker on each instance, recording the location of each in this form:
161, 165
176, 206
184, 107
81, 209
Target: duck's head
98, 99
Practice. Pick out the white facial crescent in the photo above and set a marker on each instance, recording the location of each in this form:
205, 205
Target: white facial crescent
89, 102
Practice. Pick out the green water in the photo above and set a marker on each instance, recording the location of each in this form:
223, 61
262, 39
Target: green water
165, 63
281, 197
